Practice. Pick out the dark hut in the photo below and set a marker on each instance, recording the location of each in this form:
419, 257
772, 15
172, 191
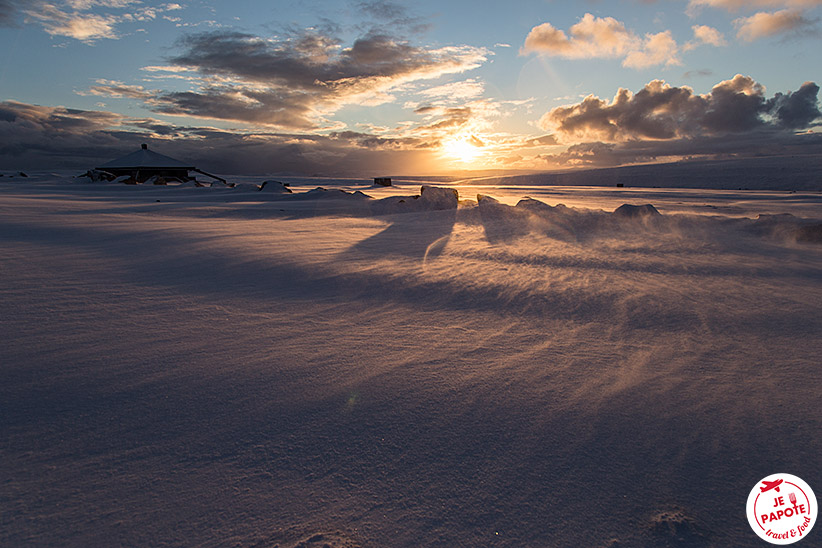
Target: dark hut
144, 164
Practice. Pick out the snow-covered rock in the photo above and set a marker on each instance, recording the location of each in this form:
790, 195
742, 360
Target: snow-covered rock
629, 211
540, 208
434, 197
125, 179
274, 187
321, 193
431, 198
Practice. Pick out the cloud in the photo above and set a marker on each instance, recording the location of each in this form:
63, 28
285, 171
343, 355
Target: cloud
311, 60
590, 37
376, 142
705, 35
545, 140
281, 108
798, 109
763, 24
383, 10
699, 72
84, 5
736, 5
442, 118
36, 137
663, 120
55, 135
466, 89
298, 80
86, 27
657, 49
8, 12
660, 111
73, 19
117, 89
595, 37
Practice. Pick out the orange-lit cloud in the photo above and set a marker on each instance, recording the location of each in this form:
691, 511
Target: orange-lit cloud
735, 5
703, 34
603, 37
763, 24
85, 27
73, 20
656, 49
590, 37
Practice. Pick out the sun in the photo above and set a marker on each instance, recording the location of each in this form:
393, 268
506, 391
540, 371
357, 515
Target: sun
462, 149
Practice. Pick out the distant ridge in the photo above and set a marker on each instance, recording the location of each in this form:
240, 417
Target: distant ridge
802, 173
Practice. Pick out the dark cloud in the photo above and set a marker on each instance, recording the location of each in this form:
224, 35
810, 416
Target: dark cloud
663, 112
376, 142
732, 106
312, 61
383, 10
545, 140
392, 14
661, 121
695, 73
8, 12
425, 109
293, 82
54, 135
275, 107
446, 117
36, 137
796, 109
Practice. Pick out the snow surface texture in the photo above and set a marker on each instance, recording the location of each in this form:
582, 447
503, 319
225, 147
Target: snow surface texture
229, 367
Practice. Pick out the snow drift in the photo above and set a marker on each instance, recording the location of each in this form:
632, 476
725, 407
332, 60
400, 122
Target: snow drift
211, 369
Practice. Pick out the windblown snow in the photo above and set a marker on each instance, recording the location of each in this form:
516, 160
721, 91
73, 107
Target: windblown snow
359, 366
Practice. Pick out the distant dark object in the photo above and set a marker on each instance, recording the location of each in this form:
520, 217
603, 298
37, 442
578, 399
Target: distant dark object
629, 211
382, 181
145, 164
620, 185
21, 174
809, 234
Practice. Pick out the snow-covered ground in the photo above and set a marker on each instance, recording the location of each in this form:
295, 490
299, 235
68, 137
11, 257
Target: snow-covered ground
225, 367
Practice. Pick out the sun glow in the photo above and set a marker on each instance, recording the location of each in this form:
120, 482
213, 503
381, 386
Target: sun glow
463, 149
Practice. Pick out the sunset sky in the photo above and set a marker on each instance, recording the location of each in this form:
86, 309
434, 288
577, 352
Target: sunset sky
361, 88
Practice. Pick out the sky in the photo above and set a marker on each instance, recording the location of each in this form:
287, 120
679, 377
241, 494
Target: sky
372, 88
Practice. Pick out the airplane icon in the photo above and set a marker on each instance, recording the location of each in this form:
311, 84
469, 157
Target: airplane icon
771, 485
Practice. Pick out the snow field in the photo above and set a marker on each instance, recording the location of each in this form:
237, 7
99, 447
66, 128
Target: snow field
220, 372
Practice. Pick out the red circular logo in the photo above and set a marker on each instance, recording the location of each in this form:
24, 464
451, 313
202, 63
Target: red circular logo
781, 509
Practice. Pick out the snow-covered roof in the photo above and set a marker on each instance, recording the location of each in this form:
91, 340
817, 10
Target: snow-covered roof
145, 158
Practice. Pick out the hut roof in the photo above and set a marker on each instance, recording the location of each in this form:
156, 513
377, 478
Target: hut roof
145, 159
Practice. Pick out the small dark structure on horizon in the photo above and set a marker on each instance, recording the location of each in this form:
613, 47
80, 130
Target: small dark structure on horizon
382, 181
144, 164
